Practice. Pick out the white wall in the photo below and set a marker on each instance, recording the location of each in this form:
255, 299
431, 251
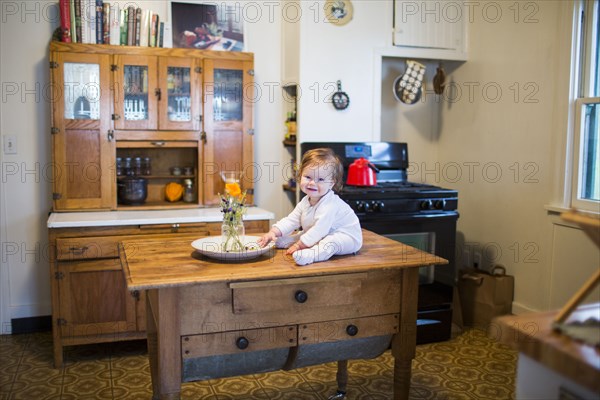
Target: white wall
506, 139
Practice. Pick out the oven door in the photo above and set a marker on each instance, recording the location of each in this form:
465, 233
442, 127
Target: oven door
436, 234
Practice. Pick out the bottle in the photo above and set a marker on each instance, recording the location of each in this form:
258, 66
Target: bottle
188, 192
137, 166
146, 166
119, 166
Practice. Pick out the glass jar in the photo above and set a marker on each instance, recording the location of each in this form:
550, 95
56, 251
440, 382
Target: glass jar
147, 166
128, 167
119, 166
188, 191
137, 166
232, 235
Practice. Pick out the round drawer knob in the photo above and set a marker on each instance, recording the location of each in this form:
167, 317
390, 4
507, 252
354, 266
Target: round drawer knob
242, 343
351, 330
301, 296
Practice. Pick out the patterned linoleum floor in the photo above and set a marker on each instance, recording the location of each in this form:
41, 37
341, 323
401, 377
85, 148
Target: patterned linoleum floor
470, 366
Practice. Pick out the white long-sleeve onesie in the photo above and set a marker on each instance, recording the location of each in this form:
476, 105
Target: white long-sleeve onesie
328, 228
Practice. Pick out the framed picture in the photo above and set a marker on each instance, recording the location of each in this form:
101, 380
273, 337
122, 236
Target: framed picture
338, 12
207, 25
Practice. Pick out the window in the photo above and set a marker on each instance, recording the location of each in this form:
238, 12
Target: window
586, 153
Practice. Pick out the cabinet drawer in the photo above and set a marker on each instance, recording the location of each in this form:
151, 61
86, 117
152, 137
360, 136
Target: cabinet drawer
333, 331
87, 247
235, 342
296, 294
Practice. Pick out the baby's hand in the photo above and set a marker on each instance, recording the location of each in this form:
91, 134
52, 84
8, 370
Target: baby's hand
266, 239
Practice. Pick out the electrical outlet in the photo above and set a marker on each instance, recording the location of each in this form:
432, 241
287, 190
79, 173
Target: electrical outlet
477, 260
10, 144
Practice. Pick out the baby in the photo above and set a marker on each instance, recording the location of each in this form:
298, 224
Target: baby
329, 225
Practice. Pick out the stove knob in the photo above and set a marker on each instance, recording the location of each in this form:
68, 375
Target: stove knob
378, 206
366, 207
426, 205
439, 204
360, 206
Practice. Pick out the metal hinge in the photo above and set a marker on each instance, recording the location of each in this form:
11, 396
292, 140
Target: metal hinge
203, 137
56, 196
53, 64
251, 131
61, 321
251, 72
116, 117
59, 275
54, 131
198, 70
114, 67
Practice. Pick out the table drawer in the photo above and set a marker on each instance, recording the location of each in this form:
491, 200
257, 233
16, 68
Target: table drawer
87, 247
296, 294
354, 328
235, 342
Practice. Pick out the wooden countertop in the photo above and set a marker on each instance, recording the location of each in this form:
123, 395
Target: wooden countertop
153, 264
532, 335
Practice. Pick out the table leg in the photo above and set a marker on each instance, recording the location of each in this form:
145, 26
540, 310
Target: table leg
162, 327
404, 343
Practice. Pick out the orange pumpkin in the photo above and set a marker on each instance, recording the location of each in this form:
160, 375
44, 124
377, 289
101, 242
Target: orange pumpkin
173, 191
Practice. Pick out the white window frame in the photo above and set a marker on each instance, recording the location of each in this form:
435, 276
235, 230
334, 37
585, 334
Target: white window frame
586, 35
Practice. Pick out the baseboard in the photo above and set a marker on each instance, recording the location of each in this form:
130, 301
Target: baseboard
31, 324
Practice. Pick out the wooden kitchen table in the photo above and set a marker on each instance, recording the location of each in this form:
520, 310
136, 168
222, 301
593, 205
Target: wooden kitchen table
207, 318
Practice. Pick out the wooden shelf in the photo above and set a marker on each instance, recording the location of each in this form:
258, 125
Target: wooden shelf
158, 205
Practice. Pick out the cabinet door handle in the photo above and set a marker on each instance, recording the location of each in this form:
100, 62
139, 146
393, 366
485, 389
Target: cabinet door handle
157, 93
158, 144
78, 250
242, 343
301, 296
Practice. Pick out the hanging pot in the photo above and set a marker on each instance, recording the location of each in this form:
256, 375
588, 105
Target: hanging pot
362, 173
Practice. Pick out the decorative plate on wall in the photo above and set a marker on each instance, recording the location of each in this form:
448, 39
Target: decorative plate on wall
338, 12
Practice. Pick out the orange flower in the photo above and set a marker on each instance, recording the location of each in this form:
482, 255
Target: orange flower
233, 189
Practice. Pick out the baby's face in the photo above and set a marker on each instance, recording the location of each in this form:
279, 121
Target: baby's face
316, 181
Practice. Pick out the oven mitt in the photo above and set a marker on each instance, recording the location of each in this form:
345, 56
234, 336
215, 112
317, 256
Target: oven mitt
408, 87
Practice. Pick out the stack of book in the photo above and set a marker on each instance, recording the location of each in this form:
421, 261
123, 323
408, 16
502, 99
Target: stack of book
100, 22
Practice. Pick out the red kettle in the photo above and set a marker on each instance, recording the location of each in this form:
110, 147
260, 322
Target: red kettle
362, 173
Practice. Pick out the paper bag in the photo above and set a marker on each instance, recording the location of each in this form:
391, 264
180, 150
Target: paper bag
485, 295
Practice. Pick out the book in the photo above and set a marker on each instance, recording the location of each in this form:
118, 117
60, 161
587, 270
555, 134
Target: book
115, 24
138, 25
99, 22
78, 26
153, 30
73, 24
106, 23
91, 15
161, 34
65, 21
130, 25
145, 28
123, 27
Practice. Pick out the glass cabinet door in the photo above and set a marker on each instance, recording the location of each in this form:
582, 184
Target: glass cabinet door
179, 87
82, 91
136, 93
82, 139
228, 101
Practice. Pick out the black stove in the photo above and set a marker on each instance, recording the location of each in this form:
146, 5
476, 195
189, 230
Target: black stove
417, 214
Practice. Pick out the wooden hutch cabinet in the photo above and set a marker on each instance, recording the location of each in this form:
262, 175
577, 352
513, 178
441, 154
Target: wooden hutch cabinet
173, 107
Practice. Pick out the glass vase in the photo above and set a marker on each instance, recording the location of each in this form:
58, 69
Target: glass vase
233, 233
